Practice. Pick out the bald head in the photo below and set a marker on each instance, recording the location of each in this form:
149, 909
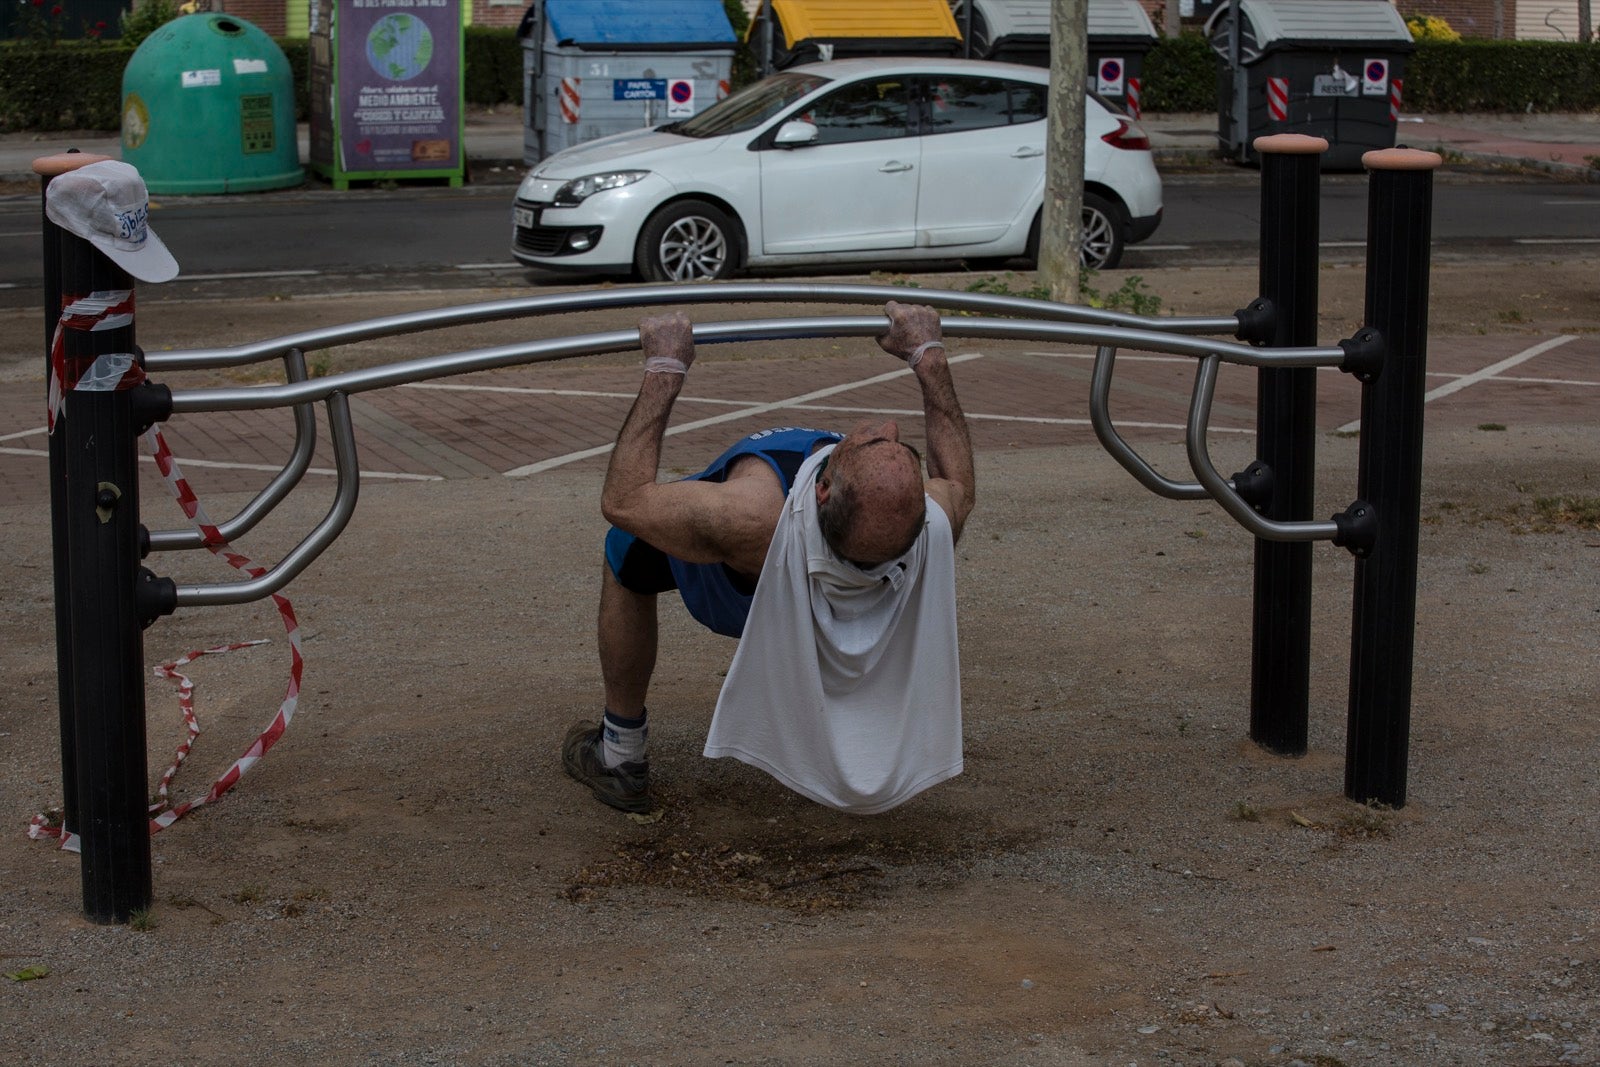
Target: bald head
870, 497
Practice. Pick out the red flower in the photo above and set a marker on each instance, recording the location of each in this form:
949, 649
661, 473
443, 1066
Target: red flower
100, 25
38, 3
55, 10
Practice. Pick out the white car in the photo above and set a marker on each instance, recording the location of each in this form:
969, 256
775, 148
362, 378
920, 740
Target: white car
853, 161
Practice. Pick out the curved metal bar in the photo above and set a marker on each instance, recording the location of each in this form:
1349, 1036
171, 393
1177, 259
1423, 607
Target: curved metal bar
274, 578
1205, 384
441, 366
1100, 417
657, 295
272, 494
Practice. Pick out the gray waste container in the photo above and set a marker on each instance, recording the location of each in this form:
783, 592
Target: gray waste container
1327, 68
592, 68
1018, 31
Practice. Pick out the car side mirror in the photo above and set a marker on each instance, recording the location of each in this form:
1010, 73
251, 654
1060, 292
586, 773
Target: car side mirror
795, 134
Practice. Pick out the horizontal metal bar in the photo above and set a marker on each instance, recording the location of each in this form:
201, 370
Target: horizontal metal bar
347, 489
441, 366
658, 295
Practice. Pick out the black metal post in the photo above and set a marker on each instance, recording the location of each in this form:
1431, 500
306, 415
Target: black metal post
1399, 227
1286, 426
99, 499
47, 168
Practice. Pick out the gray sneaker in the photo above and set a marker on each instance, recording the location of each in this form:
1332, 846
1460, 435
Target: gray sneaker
625, 787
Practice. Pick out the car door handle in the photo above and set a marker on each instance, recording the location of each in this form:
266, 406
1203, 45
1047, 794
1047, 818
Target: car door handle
894, 166
1027, 152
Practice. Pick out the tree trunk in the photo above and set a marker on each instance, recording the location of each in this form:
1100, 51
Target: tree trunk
1061, 230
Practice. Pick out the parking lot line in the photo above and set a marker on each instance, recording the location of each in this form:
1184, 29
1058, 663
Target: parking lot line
1483, 374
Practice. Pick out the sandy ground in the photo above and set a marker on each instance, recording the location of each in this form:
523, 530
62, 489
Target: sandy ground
1119, 876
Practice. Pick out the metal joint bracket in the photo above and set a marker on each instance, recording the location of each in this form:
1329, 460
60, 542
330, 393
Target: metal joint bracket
152, 403
153, 597
1257, 321
1358, 528
1254, 483
1363, 354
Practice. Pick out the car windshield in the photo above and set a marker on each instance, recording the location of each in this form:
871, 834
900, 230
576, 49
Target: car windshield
750, 106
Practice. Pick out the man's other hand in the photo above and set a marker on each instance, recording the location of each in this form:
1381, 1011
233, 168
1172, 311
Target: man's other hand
913, 329
668, 343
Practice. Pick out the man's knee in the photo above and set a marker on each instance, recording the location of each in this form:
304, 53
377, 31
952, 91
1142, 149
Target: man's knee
637, 566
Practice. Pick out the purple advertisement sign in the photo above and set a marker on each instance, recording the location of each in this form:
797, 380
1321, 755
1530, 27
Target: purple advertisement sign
399, 85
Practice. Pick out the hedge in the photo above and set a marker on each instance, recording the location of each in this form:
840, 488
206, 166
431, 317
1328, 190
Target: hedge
1180, 74
67, 86
78, 85
1474, 75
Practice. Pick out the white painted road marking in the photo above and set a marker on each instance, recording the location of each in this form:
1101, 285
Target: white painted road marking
245, 274
1484, 374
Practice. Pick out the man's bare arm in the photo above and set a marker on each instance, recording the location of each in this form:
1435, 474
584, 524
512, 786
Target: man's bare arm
699, 522
915, 336
637, 455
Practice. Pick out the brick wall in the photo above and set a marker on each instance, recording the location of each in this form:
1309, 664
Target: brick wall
498, 12
266, 15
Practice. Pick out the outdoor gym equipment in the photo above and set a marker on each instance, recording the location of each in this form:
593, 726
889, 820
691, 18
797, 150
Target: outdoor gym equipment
105, 596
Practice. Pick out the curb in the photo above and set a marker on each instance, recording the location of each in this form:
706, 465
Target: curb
1494, 163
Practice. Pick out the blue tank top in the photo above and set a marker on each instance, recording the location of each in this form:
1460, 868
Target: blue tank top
711, 591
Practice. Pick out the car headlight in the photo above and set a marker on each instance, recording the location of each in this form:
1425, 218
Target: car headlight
580, 189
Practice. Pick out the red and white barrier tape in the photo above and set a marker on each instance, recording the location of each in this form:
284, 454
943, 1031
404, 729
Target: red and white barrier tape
106, 309
213, 540
163, 813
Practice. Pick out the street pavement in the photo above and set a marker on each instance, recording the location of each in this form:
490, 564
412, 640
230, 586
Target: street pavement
1564, 143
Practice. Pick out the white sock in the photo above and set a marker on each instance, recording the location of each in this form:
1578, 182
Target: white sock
622, 740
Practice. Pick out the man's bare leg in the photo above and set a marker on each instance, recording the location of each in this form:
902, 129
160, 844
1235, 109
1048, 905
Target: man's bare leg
627, 632
610, 757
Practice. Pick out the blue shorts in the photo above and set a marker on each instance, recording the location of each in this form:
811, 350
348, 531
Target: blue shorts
717, 596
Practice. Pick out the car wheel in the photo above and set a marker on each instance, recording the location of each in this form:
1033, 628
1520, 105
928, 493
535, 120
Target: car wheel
1102, 233
689, 241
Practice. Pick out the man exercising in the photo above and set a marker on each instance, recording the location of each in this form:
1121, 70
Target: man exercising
830, 556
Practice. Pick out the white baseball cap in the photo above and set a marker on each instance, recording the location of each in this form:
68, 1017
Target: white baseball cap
107, 204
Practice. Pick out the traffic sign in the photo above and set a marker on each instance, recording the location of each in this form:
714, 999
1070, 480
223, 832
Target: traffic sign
680, 98
1375, 77
1109, 77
